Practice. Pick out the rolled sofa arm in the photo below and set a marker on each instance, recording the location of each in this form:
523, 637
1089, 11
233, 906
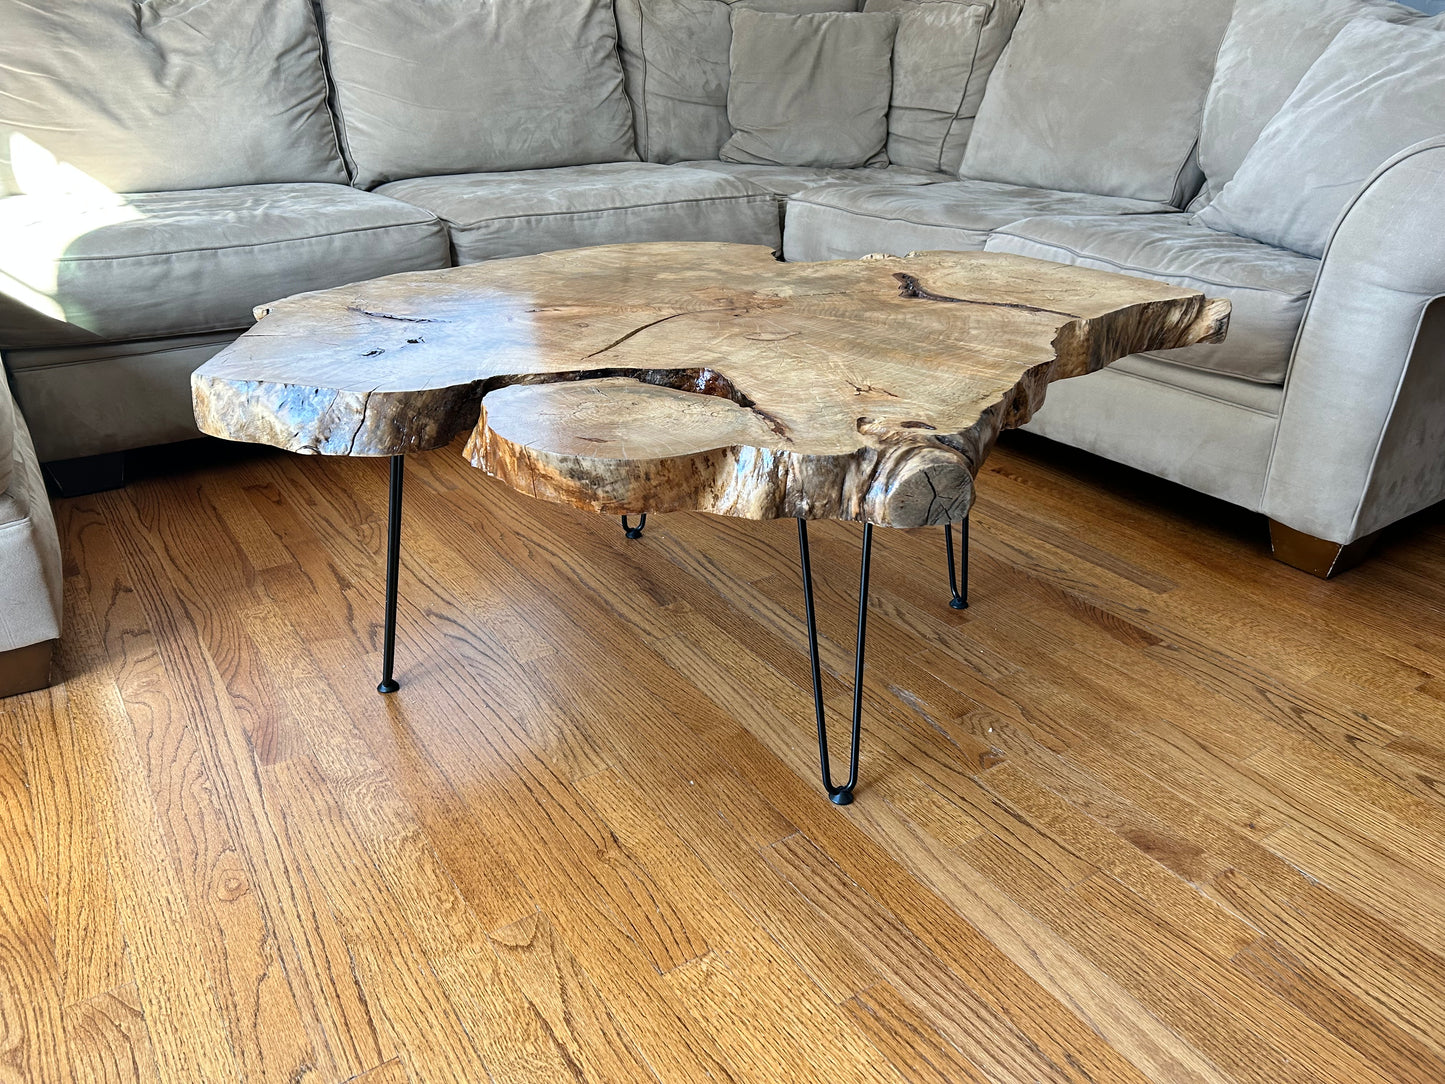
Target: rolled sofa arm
1361, 441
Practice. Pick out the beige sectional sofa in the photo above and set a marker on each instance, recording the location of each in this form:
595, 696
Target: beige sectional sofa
166, 168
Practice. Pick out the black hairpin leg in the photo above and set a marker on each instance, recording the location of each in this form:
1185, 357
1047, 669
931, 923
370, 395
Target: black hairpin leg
631, 531
959, 601
393, 562
838, 795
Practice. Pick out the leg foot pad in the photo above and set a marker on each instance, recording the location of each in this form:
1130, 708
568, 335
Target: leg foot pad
390, 685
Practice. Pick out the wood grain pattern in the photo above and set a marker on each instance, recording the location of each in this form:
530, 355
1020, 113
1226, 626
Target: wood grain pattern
1148, 810
709, 377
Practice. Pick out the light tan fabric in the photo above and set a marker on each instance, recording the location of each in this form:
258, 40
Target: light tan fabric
810, 90
115, 95
82, 270
843, 222
491, 215
942, 57
1267, 48
1267, 287
1363, 425
794, 180
675, 54
1377, 89
1197, 436
467, 86
30, 568
1102, 98
93, 399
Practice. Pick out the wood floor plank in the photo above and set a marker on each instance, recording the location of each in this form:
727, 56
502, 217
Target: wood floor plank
108, 1040
1153, 808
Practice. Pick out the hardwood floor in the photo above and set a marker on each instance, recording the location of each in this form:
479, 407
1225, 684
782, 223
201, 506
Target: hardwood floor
1155, 808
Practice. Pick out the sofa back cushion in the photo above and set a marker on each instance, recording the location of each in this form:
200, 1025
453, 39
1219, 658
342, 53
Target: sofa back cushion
1375, 91
1267, 48
810, 90
161, 96
942, 57
1100, 97
675, 53
430, 87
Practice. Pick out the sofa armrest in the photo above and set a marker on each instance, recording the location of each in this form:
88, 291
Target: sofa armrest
1363, 425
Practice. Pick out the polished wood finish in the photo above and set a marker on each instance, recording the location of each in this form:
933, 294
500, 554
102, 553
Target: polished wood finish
1317, 556
25, 669
1151, 809
695, 377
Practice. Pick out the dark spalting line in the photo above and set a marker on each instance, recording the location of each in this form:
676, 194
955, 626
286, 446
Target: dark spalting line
912, 288
391, 316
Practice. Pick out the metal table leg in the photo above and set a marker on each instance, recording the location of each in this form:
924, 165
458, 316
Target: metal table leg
838, 795
389, 684
959, 601
631, 531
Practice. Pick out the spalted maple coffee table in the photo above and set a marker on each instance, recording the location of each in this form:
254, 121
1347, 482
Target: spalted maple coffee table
635, 379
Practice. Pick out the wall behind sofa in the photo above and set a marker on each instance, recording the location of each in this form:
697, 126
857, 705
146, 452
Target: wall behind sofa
1432, 6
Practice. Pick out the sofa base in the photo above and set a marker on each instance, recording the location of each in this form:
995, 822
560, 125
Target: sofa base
25, 669
1317, 556
85, 475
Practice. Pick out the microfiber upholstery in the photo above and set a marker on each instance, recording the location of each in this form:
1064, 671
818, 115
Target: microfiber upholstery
1100, 97
675, 54
119, 96
842, 222
176, 263
465, 86
1267, 48
1267, 287
943, 56
522, 213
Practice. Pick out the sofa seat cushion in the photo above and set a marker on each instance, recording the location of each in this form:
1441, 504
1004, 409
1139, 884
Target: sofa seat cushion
179, 263
1268, 287
491, 215
791, 180
841, 222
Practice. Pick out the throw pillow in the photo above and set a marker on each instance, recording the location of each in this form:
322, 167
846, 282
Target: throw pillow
476, 86
1376, 90
810, 90
675, 56
942, 58
1101, 98
111, 94
1267, 49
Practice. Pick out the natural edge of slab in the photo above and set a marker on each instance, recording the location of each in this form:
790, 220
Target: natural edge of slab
900, 475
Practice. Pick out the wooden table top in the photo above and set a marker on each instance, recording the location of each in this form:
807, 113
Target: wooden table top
697, 376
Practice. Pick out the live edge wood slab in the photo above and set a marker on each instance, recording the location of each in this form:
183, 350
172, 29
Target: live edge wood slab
711, 377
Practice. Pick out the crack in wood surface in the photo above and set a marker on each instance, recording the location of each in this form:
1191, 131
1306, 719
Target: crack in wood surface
828, 398
912, 288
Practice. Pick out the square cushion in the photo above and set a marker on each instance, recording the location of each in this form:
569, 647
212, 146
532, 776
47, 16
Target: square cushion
177, 263
131, 97
461, 86
491, 215
1267, 48
1102, 98
1268, 287
810, 90
942, 58
675, 54
843, 222
1378, 89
